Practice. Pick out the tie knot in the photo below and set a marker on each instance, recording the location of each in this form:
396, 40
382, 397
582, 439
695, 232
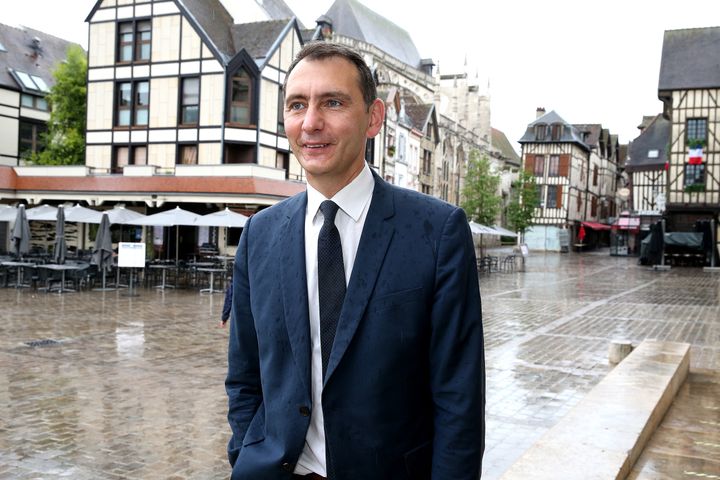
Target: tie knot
329, 210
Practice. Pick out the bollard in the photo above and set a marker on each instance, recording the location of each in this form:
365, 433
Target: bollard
619, 349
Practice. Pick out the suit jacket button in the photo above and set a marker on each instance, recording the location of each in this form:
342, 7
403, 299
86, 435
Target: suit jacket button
288, 467
304, 411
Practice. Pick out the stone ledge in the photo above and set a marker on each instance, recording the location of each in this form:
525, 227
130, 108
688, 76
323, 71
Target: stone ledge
604, 434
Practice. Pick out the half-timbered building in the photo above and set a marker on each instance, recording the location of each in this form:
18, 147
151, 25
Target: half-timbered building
554, 152
646, 166
689, 86
27, 59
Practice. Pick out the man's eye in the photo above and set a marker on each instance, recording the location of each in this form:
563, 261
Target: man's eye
295, 106
333, 103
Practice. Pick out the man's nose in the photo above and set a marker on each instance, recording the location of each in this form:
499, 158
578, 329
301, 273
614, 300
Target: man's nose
313, 119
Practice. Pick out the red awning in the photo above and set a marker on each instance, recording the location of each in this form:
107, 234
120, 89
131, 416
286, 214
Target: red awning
596, 226
627, 223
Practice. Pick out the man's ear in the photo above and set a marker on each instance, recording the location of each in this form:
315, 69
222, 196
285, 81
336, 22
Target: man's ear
377, 115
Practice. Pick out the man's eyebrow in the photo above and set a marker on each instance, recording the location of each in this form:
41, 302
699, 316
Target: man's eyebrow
338, 94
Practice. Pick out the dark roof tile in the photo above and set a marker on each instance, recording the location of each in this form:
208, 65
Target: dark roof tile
690, 59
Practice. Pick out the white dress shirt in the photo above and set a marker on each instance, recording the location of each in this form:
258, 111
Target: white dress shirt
354, 202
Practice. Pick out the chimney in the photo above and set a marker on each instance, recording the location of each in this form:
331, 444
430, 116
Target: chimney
539, 112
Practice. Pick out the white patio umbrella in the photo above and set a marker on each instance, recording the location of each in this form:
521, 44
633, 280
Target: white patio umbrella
123, 216
223, 218
7, 213
102, 251
80, 214
169, 218
504, 231
47, 213
479, 229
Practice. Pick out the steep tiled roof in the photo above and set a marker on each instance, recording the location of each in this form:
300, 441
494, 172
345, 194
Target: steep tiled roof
501, 143
352, 19
215, 21
655, 138
258, 37
591, 133
690, 59
279, 10
19, 54
646, 121
570, 134
418, 115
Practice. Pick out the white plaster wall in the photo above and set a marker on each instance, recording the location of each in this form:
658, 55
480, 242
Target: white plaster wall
161, 155
191, 43
102, 44
100, 105
209, 154
9, 136
163, 102
211, 100
166, 38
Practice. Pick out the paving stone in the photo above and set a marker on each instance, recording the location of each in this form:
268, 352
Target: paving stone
133, 388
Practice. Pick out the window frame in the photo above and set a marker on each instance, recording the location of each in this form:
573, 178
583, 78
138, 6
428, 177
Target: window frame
136, 42
250, 103
184, 106
698, 172
552, 196
132, 150
540, 131
35, 142
180, 156
695, 128
134, 105
554, 166
539, 160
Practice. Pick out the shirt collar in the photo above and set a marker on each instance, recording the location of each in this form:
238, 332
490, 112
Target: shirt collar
351, 199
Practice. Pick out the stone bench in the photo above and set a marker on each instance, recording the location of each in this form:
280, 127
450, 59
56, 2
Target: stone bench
604, 434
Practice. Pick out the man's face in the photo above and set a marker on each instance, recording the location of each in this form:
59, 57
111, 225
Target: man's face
327, 121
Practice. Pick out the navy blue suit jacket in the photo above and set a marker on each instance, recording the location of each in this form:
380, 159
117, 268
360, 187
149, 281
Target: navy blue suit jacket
404, 393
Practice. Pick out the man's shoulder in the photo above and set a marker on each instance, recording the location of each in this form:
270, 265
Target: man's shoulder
419, 202
280, 210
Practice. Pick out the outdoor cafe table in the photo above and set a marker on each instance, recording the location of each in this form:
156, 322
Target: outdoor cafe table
212, 271
20, 271
164, 267
62, 268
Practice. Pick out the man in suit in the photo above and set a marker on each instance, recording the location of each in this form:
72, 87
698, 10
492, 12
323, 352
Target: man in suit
369, 366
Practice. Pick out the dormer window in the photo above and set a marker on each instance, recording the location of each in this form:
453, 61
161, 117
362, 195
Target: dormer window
241, 97
540, 131
556, 131
653, 153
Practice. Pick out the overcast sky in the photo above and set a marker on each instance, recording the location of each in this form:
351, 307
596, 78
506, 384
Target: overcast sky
592, 62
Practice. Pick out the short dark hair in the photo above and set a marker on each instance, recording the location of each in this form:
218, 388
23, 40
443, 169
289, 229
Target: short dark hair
320, 50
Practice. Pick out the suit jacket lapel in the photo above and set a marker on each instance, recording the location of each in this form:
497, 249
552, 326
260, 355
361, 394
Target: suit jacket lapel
374, 243
294, 288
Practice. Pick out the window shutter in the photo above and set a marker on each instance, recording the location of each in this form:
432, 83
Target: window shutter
529, 164
564, 169
558, 199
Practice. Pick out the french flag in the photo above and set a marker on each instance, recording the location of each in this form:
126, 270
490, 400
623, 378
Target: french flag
696, 156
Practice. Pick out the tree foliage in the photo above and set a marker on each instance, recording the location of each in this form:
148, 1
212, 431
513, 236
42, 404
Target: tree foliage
65, 138
523, 201
480, 192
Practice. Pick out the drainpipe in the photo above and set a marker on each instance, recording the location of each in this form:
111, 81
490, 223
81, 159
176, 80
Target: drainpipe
713, 233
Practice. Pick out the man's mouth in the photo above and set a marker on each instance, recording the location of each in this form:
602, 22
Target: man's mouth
315, 145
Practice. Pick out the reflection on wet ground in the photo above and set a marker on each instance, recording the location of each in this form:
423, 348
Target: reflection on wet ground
99, 385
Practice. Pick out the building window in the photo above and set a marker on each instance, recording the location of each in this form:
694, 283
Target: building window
552, 196
132, 155
593, 206
133, 103
370, 151
134, 41
241, 98
426, 189
239, 153
539, 169
187, 155
696, 130
540, 131
190, 101
427, 162
694, 174
33, 101
400, 154
30, 137
281, 113
554, 166
595, 176
282, 162
539, 193
556, 131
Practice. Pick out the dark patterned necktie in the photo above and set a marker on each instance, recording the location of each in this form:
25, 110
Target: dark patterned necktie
331, 279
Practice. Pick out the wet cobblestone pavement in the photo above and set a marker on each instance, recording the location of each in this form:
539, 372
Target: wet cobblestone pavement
133, 386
